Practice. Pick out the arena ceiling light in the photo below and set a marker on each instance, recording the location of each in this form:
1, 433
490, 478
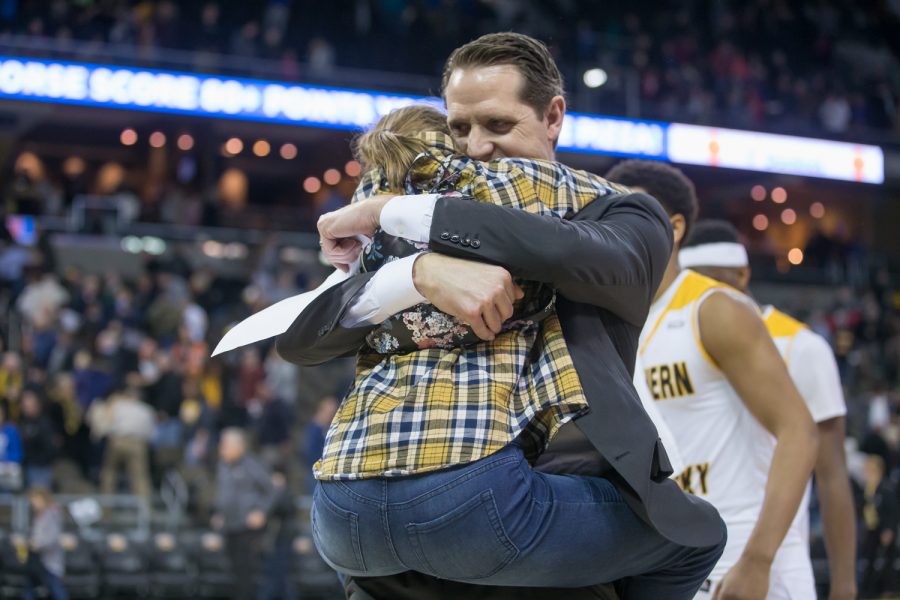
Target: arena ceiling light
594, 78
175, 92
149, 244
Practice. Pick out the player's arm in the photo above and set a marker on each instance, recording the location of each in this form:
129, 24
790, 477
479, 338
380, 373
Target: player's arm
836, 500
736, 339
814, 370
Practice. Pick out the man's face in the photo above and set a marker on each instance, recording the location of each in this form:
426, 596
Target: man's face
230, 449
489, 120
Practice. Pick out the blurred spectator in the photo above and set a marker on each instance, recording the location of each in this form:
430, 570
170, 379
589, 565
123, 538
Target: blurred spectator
43, 296
251, 373
244, 497
321, 56
91, 382
38, 441
166, 397
314, 435
46, 561
880, 519
835, 113
273, 427
277, 546
12, 379
131, 424
282, 377
198, 423
10, 455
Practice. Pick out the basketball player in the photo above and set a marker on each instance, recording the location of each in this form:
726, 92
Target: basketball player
724, 391
715, 251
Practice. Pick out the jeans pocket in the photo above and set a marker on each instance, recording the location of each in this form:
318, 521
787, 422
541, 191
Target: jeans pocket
336, 534
465, 544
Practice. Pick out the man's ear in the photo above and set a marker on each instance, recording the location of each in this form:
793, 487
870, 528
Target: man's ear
744, 278
553, 117
678, 227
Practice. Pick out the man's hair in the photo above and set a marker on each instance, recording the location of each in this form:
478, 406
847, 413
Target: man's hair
712, 231
235, 433
542, 79
664, 182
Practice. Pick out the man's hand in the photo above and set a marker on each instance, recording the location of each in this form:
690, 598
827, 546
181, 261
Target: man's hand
477, 294
256, 519
337, 230
748, 579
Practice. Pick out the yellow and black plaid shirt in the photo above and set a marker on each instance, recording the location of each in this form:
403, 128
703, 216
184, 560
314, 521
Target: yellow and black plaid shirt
436, 408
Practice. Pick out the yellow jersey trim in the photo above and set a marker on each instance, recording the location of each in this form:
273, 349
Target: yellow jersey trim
782, 325
692, 288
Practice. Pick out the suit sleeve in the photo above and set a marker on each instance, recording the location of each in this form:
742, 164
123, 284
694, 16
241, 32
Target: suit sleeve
316, 336
612, 254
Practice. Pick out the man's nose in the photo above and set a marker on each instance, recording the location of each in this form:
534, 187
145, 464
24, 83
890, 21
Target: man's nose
479, 146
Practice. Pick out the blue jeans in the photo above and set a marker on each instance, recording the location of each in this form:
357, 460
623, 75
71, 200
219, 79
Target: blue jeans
498, 522
39, 575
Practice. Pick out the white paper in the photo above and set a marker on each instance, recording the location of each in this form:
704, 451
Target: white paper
275, 319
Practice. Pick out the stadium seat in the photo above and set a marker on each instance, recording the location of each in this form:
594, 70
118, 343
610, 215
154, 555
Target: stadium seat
82, 577
172, 572
124, 563
12, 564
312, 577
214, 569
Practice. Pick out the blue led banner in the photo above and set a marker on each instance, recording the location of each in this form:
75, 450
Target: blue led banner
277, 102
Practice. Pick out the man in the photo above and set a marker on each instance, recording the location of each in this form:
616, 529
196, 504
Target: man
880, 518
314, 437
244, 496
504, 98
131, 425
715, 251
273, 427
720, 385
46, 559
38, 440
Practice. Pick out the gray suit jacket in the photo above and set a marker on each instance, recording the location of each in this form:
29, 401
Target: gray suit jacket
606, 264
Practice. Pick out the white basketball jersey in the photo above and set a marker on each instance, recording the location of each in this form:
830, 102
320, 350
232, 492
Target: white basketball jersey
814, 372
726, 451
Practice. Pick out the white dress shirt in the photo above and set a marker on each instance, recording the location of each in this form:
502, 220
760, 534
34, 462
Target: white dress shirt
391, 289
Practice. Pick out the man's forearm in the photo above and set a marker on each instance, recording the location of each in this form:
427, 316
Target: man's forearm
795, 454
612, 254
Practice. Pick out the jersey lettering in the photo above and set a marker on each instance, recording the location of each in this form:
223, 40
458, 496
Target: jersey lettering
669, 381
693, 479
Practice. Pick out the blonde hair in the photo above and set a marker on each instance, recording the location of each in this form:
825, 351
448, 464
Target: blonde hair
393, 142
